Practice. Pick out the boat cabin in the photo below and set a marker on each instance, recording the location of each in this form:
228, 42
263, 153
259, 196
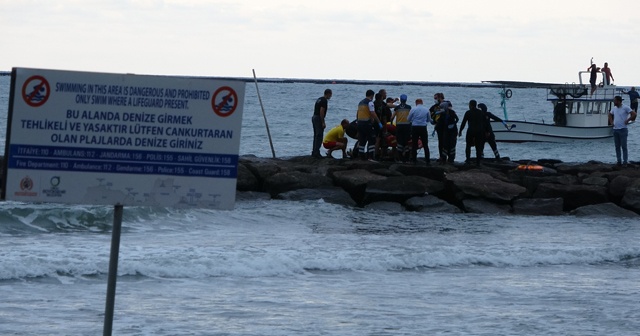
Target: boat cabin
573, 104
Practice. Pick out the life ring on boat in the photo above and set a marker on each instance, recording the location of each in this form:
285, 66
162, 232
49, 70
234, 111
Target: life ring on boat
530, 167
508, 93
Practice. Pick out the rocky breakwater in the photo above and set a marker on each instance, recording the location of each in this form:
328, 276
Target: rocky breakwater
496, 187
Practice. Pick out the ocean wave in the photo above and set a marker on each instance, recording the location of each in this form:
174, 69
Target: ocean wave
198, 263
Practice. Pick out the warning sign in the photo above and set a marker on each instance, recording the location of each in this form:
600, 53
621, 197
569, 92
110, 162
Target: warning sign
126, 139
224, 101
36, 91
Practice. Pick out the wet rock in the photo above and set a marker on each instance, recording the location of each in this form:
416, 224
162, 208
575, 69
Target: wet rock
246, 181
485, 207
252, 196
583, 168
476, 184
385, 206
430, 204
597, 181
538, 206
292, 180
618, 186
604, 209
574, 196
394, 189
631, 198
334, 195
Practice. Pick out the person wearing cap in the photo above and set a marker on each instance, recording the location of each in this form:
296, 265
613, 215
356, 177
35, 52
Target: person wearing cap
490, 137
634, 96
319, 113
620, 116
366, 115
403, 128
447, 128
419, 118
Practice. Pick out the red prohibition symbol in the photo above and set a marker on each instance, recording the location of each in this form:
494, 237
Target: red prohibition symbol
224, 101
36, 91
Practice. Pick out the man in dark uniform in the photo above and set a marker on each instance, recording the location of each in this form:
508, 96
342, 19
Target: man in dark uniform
475, 133
490, 137
319, 113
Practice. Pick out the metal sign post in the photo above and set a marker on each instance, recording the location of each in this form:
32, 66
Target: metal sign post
113, 270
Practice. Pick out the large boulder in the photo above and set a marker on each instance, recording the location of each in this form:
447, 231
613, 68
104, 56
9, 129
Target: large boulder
618, 186
583, 168
538, 206
400, 188
292, 180
355, 181
430, 204
574, 195
631, 198
246, 180
472, 205
332, 195
477, 184
604, 209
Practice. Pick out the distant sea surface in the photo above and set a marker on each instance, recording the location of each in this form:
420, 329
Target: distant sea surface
272, 267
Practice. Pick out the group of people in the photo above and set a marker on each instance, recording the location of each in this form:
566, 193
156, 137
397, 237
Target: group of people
593, 79
383, 122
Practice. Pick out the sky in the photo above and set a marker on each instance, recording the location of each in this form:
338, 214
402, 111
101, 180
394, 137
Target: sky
468, 41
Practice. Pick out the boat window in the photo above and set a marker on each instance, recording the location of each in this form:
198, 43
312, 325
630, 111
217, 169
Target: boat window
578, 107
569, 107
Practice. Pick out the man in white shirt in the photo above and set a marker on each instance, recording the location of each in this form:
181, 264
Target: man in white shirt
620, 116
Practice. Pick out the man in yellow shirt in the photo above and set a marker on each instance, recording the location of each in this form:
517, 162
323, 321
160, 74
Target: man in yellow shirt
335, 139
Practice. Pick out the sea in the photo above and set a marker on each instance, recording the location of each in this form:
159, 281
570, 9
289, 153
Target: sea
278, 267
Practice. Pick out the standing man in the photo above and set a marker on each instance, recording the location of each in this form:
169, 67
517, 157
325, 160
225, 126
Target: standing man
366, 115
489, 136
319, 113
475, 133
634, 96
403, 128
436, 111
419, 117
620, 116
608, 75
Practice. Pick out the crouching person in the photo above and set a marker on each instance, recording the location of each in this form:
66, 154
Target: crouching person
335, 139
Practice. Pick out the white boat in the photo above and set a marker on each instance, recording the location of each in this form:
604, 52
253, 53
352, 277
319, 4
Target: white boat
577, 115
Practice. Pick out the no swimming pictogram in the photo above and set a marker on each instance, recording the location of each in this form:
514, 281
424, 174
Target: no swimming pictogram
224, 101
36, 91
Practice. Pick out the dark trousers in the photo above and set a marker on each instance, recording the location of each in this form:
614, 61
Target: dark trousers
317, 134
419, 132
366, 139
477, 140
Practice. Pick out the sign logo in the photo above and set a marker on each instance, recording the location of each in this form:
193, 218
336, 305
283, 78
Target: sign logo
36, 91
26, 184
224, 101
54, 191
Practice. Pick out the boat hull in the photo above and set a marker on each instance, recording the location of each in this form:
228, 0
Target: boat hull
524, 131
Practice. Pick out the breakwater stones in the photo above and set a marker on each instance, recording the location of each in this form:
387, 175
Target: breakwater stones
494, 187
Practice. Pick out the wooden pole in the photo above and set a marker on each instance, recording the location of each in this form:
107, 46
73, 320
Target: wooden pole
255, 79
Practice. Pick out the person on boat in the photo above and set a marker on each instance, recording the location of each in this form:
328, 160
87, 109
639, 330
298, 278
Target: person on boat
594, 77
608, 75
435, 111
620, 116
366, 115
403, 128
447, 127
475, 132
319, 113
419, 118
560, 112
490, 137
335, 139
634, 96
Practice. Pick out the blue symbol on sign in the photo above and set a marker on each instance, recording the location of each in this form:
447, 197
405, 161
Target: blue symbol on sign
38, 93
